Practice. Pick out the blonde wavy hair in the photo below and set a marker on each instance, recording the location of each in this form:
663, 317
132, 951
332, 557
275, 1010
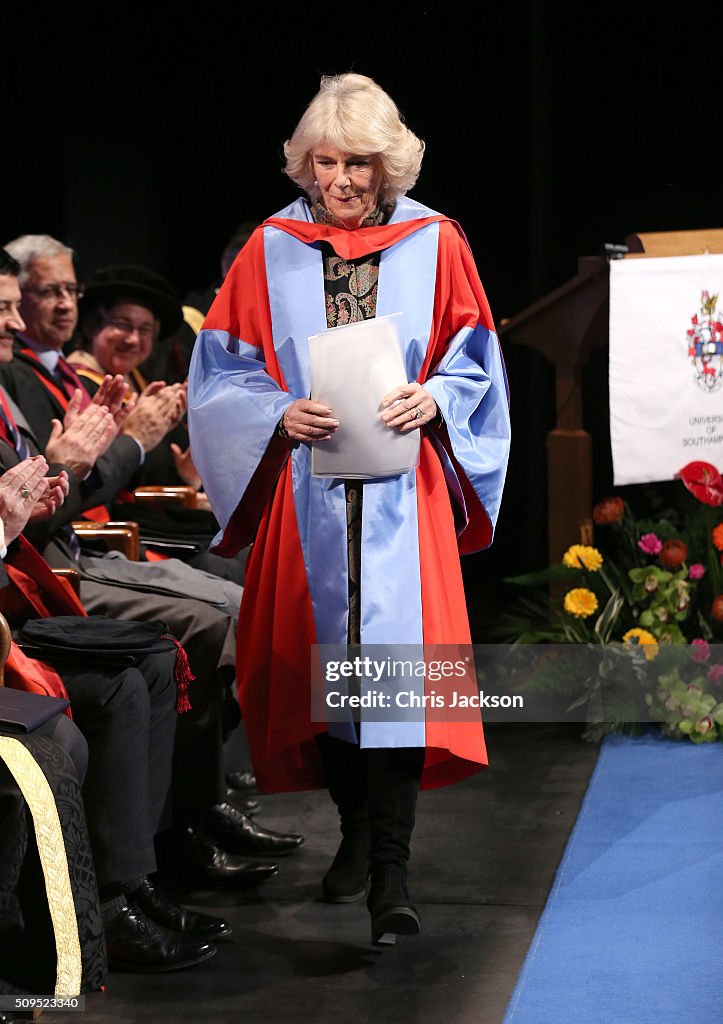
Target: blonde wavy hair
353, 114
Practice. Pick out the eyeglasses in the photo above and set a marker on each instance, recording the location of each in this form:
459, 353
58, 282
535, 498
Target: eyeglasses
56, 291
146, 332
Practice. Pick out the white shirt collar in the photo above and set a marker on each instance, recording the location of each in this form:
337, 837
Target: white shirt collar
48, 356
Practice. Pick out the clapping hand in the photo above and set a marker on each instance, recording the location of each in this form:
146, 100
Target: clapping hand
20, 489
185, 466
160, 408
48, 504
112, 394
82, 437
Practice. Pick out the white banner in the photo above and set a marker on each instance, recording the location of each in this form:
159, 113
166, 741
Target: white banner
666, 365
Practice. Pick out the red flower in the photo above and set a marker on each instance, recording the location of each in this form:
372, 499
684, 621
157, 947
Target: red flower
703, 481
716, 608
673, 554
609, 510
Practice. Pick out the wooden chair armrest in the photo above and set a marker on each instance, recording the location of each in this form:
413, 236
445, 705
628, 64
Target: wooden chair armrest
161, 496
121, 536
72, 576
5, 639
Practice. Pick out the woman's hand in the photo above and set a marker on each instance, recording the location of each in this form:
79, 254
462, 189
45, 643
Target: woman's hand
305, 420
408, 407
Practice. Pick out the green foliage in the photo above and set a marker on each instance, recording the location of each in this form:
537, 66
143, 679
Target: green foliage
656, 576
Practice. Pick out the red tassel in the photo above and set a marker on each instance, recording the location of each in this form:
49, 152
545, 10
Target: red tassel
183, 675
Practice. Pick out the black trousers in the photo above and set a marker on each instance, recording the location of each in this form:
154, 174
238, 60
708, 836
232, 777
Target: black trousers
128, 719
67, 735
208, 636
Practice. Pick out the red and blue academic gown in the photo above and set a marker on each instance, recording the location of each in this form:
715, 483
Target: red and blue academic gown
250, 362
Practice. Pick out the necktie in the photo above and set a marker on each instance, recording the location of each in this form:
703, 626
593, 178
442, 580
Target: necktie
12, 434
69, 380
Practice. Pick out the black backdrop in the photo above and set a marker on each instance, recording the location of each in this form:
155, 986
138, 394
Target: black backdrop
146, 133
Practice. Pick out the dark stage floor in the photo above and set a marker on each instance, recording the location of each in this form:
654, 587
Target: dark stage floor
484, 858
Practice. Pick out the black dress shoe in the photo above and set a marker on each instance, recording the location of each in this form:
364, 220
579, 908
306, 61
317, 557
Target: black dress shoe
245, 781
201, 864
237, 833
137, 944
246, 804
149, 898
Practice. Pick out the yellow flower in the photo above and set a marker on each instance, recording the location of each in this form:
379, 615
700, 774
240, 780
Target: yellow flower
580, 602
580, 556
646, 640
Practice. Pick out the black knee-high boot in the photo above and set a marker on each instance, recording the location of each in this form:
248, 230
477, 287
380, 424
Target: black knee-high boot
345, 775
392, 785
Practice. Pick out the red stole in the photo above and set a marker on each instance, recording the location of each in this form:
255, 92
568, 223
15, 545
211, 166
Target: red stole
61, 393
23, 673
34, 591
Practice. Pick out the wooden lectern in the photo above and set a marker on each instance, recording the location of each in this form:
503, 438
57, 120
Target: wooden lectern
565, 326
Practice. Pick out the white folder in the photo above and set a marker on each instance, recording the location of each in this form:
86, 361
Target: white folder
352, 368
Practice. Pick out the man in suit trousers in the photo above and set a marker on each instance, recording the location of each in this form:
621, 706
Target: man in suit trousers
126, 717
203, 623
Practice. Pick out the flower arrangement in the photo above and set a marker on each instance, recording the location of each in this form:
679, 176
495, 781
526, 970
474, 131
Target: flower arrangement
648, 584
688, 697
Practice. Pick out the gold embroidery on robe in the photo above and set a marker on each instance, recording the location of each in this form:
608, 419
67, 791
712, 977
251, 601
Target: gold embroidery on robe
39, 797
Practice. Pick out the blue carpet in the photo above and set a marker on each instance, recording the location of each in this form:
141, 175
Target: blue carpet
632, 932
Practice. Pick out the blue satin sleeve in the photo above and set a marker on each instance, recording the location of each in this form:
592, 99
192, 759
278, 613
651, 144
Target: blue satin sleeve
234, 407
469, 386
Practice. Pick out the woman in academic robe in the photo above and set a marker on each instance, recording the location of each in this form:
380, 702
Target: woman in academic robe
342, 561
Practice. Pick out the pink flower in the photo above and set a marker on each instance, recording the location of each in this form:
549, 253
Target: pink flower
715, 674
696, 571
650, 544
704, 725
702, 649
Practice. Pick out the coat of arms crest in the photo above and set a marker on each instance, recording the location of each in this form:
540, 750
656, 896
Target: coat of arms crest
705, 344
